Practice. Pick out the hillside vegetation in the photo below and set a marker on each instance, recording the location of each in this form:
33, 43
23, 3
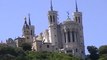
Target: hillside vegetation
25, 53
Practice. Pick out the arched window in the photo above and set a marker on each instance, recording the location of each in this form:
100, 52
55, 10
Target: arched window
73, 36
79, 19
68, 36
31, 32
76, 19
69, 51
65, 37
27, 37
47, 46
51, 19
76, 50
27, 32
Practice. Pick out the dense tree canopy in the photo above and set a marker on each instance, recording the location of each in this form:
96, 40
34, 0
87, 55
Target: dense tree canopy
103, 50
24, 53
26, 46
92, 49
97, 54
11, 53
93, 52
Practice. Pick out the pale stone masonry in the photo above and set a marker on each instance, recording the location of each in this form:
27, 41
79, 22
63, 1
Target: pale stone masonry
64, 37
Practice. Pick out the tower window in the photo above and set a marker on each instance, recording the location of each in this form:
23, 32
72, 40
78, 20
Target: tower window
27, 32
65, 37
79, 19
51, 19
76, 19
56, 48
27, 37
31, 32
76, 50
82, 52
69, 51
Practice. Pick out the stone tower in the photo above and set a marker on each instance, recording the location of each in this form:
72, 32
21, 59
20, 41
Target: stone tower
52, 17
78, 19
28, 31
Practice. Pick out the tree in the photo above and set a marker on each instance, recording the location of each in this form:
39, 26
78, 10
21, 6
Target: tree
103, 57
103, 50
19, 51
93, 52
32, 55
26, 46
7, 57
7, 50
92, 49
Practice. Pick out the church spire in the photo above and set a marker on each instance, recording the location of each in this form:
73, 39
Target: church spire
76, 5
51, 5
29, 19
25, 21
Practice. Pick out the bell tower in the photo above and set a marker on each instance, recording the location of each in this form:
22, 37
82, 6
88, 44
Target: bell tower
27, 32
52, 16
53, 27
77, 15
78, 19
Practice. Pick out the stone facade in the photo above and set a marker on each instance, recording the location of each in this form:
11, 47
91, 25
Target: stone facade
19, 41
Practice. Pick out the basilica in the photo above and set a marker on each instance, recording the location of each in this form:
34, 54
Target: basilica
66, 36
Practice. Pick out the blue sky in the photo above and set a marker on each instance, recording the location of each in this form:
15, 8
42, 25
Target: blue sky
12, 13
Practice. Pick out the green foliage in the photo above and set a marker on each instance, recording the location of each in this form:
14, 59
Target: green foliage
7, 50
92, 49
10, 53
49, 56
26, 47
103, 50
97, 54
7, 57
19, 51
103, 57
93, 53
